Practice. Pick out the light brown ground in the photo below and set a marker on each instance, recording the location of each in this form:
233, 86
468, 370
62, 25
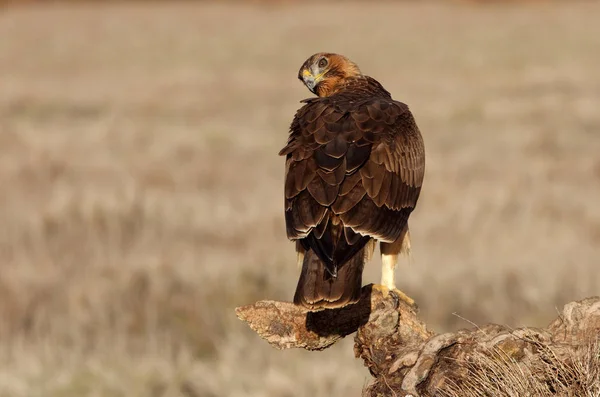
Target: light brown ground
141, 191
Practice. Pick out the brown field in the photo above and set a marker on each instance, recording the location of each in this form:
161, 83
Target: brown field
141, 191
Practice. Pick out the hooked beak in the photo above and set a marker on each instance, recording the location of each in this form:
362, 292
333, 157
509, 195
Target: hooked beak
311, 81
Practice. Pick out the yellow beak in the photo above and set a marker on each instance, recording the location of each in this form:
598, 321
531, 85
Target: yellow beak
311, 81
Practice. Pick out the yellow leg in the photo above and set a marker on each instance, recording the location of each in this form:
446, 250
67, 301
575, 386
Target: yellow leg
388, 265
390, 252
300, 251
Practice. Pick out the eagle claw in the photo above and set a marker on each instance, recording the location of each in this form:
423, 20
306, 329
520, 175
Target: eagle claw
385, 291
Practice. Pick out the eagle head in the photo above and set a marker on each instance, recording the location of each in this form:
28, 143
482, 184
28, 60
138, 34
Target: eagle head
324, 73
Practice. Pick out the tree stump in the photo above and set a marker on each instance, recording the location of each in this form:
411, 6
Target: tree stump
407, 359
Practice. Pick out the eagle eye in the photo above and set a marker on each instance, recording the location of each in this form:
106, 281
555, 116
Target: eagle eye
322, 63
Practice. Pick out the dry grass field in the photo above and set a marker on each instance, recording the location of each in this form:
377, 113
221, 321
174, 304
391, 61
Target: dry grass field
141, 191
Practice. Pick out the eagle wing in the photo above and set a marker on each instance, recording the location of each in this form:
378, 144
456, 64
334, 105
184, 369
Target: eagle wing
358, 163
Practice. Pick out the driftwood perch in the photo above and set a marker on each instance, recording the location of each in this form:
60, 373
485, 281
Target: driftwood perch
406, 358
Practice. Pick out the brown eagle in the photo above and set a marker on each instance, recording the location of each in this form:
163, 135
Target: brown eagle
355, 162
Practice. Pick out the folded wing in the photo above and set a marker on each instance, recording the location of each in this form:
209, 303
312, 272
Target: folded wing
354, 171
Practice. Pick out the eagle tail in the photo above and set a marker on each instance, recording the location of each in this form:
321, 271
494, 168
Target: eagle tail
319, 289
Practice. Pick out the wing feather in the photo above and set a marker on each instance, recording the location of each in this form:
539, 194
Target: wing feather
355, 160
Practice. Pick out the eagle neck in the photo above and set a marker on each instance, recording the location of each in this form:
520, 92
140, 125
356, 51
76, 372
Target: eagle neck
361, 86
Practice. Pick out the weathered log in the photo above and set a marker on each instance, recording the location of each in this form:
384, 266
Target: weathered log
405, 358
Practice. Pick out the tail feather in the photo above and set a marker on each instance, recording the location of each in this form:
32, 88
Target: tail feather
318, 289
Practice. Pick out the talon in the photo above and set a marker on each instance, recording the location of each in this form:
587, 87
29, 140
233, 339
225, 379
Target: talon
405, 298
385, 291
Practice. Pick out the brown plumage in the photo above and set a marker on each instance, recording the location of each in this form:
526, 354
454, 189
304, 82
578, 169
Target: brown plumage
355, 162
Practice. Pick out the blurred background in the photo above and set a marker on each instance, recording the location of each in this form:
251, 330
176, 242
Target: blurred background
141, 194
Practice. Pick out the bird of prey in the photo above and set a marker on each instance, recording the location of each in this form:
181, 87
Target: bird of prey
354, 167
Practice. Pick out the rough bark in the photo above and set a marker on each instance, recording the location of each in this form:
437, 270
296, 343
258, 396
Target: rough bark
405, 358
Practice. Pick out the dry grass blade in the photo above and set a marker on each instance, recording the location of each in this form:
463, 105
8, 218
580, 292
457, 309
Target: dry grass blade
575, 372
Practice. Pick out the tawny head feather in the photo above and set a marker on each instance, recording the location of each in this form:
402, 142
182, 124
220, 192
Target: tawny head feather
325, 73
